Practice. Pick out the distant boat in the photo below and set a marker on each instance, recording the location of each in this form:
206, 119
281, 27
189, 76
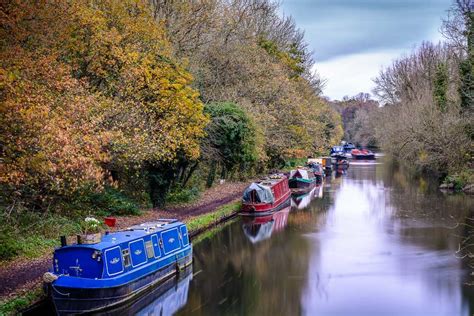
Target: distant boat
348, 147
317, 170
337, 151
90, 278
302, 180
266, 196
362, 154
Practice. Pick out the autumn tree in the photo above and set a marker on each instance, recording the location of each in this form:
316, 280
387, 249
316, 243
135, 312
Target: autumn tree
422, 122
51, 140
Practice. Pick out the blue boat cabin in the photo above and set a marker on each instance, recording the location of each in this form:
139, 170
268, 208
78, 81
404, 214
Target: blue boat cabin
123, 265
121, 252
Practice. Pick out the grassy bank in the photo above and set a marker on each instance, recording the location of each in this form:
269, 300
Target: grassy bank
459, 181
201, 223
14, 305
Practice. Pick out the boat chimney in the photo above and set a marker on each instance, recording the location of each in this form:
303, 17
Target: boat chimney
63, 241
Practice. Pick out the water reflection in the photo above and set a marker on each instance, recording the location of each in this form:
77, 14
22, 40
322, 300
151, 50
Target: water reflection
258, 228
302, 201
238, 277
166, 299
377, 242
382, 252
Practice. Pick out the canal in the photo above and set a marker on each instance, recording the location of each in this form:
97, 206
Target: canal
371, 242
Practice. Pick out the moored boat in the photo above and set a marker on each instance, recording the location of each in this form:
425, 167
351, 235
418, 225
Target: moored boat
337, 151
348, 147
123, 265
317, 170
302, 180
266, 196
324, 162
362, 154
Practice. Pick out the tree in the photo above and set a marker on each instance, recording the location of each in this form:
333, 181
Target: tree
441, 87
458, 28
231, 138
51, 141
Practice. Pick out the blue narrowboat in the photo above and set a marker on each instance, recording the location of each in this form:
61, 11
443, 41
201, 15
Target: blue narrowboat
126, 264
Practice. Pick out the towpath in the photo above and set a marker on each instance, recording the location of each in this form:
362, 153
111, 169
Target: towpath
23, 274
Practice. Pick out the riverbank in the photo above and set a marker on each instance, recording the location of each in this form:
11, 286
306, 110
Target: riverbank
21, 278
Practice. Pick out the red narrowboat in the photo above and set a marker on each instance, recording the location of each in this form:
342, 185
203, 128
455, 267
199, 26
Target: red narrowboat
362, 154
266, 196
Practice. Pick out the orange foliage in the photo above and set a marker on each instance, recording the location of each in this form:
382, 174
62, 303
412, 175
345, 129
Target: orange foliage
83, 84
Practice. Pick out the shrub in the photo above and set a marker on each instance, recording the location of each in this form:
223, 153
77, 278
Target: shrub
182, 195
112, 202
9, 247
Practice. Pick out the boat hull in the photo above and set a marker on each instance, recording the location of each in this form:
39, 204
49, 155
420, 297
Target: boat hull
319, 177
364, 157
262, 209
74, 300
300, 186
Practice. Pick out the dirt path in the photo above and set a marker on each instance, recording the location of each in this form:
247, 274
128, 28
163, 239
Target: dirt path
23, 274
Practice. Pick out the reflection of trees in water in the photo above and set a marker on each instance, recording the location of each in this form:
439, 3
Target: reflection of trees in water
425, 217
466, 253
241, 278
419, 211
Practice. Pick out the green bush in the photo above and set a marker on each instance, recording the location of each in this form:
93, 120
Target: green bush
460, 179
182, 195
9, 247
110, 201
294, 162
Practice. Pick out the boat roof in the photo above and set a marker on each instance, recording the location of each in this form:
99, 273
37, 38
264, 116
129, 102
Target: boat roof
271, 180
303, 172
134, 232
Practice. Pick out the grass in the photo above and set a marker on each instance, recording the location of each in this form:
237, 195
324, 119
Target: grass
205, 220
32, 235
13, 306
211, 232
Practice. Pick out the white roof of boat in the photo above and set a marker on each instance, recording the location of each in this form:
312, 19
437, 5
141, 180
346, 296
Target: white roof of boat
156, 225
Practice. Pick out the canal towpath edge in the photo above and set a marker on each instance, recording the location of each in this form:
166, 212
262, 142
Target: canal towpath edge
22, 275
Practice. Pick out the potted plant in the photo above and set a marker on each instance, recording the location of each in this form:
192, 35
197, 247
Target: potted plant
91, 231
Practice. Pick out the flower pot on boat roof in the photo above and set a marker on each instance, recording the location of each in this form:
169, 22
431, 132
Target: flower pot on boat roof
91, 231
89, 239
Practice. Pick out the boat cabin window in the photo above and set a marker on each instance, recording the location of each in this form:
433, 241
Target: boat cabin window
149, 249
126, 257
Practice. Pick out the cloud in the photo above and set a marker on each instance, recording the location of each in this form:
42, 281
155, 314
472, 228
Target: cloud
349, 75
352, 39
339, 27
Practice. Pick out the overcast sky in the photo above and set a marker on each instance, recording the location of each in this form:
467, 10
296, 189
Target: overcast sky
353, 39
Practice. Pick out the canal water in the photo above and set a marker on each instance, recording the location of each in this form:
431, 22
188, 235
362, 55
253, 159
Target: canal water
370, 242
